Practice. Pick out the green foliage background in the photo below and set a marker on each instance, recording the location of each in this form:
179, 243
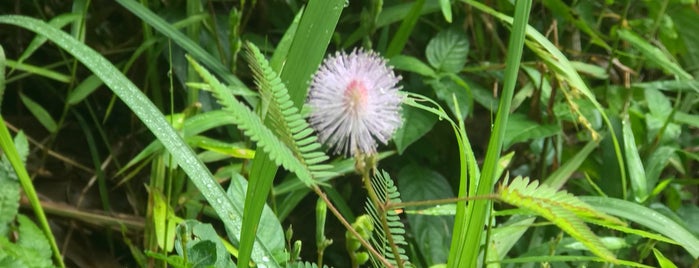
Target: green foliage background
536, 133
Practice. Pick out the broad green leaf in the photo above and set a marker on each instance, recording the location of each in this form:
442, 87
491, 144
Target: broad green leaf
432, 233
411, 64
656, 162
202, 245
520, 128
647, 217
9, 199
40, 113
9, 186
658, 104
32, 239
637, 173
657, 121
610, 242
270, 229
165, 220
452, 86
448, 51
416, 124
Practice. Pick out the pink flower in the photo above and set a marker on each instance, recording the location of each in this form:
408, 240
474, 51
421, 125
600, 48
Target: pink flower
355, 101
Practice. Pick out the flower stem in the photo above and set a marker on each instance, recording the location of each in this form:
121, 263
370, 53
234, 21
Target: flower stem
347, 225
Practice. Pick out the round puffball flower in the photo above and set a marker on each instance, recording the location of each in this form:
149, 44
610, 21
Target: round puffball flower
355, 100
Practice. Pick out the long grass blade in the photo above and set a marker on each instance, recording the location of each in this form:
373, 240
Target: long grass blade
465, 242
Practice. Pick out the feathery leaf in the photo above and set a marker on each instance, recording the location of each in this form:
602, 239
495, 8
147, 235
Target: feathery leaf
561, 208
253, 127
287, 122
384, 221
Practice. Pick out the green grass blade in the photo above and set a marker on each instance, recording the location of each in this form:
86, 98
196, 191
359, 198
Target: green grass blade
153, 119
406, 27
39, 71
654, 54
187, 44
305, 55
464, 253
647, 217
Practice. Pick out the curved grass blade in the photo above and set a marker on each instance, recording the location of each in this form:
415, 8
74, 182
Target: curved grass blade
647, 217
186, 43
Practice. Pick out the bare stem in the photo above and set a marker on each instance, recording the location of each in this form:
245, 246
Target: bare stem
347, 225
391, 205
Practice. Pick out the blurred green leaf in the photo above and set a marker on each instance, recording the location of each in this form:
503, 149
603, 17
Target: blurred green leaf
637, 173
448, 51
520, 128
202, 245
432, 233
662, 260
415, 125
33, 242
269, 231
412, 64
400, 38
654, 54
43, 116
445, 6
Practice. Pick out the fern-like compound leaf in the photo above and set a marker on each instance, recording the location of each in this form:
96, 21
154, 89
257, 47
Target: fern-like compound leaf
562, 209
253, 127
392, 234
286, 120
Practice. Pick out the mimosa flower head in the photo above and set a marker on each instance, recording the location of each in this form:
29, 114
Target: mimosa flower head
355, 100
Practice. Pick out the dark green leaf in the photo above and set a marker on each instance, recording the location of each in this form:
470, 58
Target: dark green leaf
40, 113
520, 128
417, 123
448, 50
432, 233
